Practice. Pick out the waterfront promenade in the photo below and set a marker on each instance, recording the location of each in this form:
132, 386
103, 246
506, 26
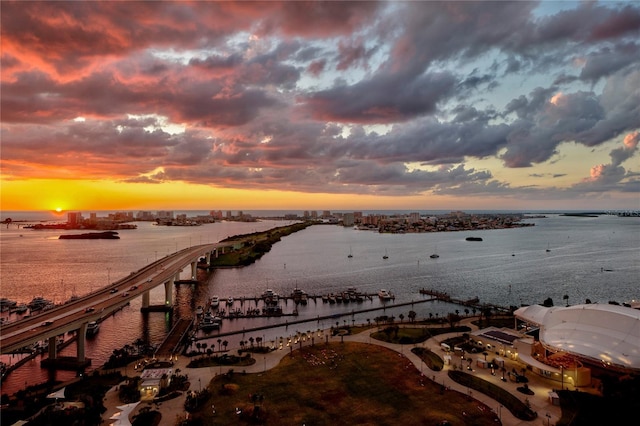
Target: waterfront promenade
200, 377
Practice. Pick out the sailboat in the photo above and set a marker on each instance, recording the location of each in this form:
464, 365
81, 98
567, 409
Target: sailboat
548, 249
435, 255
386, 256
350, 255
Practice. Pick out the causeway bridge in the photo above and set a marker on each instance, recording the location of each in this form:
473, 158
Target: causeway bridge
76, 314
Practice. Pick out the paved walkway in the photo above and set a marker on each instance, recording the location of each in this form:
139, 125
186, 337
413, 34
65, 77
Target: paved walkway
200, 377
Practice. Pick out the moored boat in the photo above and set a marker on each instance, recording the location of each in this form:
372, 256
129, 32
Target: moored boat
384, 295
92, 328
7, 304
38, 303
20, 309
210, 322
299, 296
270, 297
214, 302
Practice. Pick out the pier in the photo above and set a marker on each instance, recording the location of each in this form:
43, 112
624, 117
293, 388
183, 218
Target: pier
472, 303
317, 319
174, 338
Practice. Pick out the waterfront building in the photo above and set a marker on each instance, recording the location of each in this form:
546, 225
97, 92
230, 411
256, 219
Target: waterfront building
152, 381
414, 217
348, 219
74, 218
567, 343
164, 215
144, 216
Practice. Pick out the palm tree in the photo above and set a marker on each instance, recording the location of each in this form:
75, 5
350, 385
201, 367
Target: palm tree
251, 341
204, 347
225, 343
219, 341
199, 346
566, 297
412, 316
466, 311
401, 316
259, 341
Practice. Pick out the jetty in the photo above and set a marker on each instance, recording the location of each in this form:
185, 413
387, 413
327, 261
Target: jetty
316, 319
472, 303
174, 339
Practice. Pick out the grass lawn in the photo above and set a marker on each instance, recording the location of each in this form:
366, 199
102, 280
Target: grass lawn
339, 384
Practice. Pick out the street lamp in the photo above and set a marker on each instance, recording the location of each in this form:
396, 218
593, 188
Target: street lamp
108, 276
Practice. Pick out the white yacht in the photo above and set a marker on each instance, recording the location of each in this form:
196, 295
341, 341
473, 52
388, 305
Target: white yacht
215, 302
384, 294
92, 328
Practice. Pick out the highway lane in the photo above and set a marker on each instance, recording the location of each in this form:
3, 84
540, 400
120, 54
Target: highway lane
101, 303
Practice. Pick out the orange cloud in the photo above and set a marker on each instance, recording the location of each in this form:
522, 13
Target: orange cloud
631, 140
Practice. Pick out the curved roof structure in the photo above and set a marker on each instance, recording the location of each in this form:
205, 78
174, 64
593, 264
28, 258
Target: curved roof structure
609, 334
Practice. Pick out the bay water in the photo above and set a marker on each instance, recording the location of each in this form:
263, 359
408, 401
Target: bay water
596, 258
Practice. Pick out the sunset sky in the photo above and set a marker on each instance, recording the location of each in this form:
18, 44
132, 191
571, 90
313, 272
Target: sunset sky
320, 105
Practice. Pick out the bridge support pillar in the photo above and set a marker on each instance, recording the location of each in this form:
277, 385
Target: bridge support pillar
145, 299
209, 258
82, 339
53, 349
194, 269
168, 292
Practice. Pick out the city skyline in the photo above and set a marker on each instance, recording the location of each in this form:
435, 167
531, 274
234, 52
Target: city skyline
320, 106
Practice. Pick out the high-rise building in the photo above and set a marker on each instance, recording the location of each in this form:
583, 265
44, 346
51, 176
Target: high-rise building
74, 218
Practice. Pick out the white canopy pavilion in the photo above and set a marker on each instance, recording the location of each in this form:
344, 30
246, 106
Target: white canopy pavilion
605, 333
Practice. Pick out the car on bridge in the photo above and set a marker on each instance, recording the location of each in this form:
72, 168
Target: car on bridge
113, 290
133, 287
90, 309
47, 323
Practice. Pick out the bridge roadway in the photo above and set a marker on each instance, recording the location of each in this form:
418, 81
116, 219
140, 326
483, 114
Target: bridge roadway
76, 314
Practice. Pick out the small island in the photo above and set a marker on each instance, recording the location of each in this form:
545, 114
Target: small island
107, 235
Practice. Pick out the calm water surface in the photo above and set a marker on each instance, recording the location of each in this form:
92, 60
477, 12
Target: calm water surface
595, 258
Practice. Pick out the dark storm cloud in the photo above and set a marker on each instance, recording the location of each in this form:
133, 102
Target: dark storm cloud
345, 97
581, 117
385, 99
608, 60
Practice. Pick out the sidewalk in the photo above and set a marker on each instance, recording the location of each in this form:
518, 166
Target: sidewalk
200, 377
